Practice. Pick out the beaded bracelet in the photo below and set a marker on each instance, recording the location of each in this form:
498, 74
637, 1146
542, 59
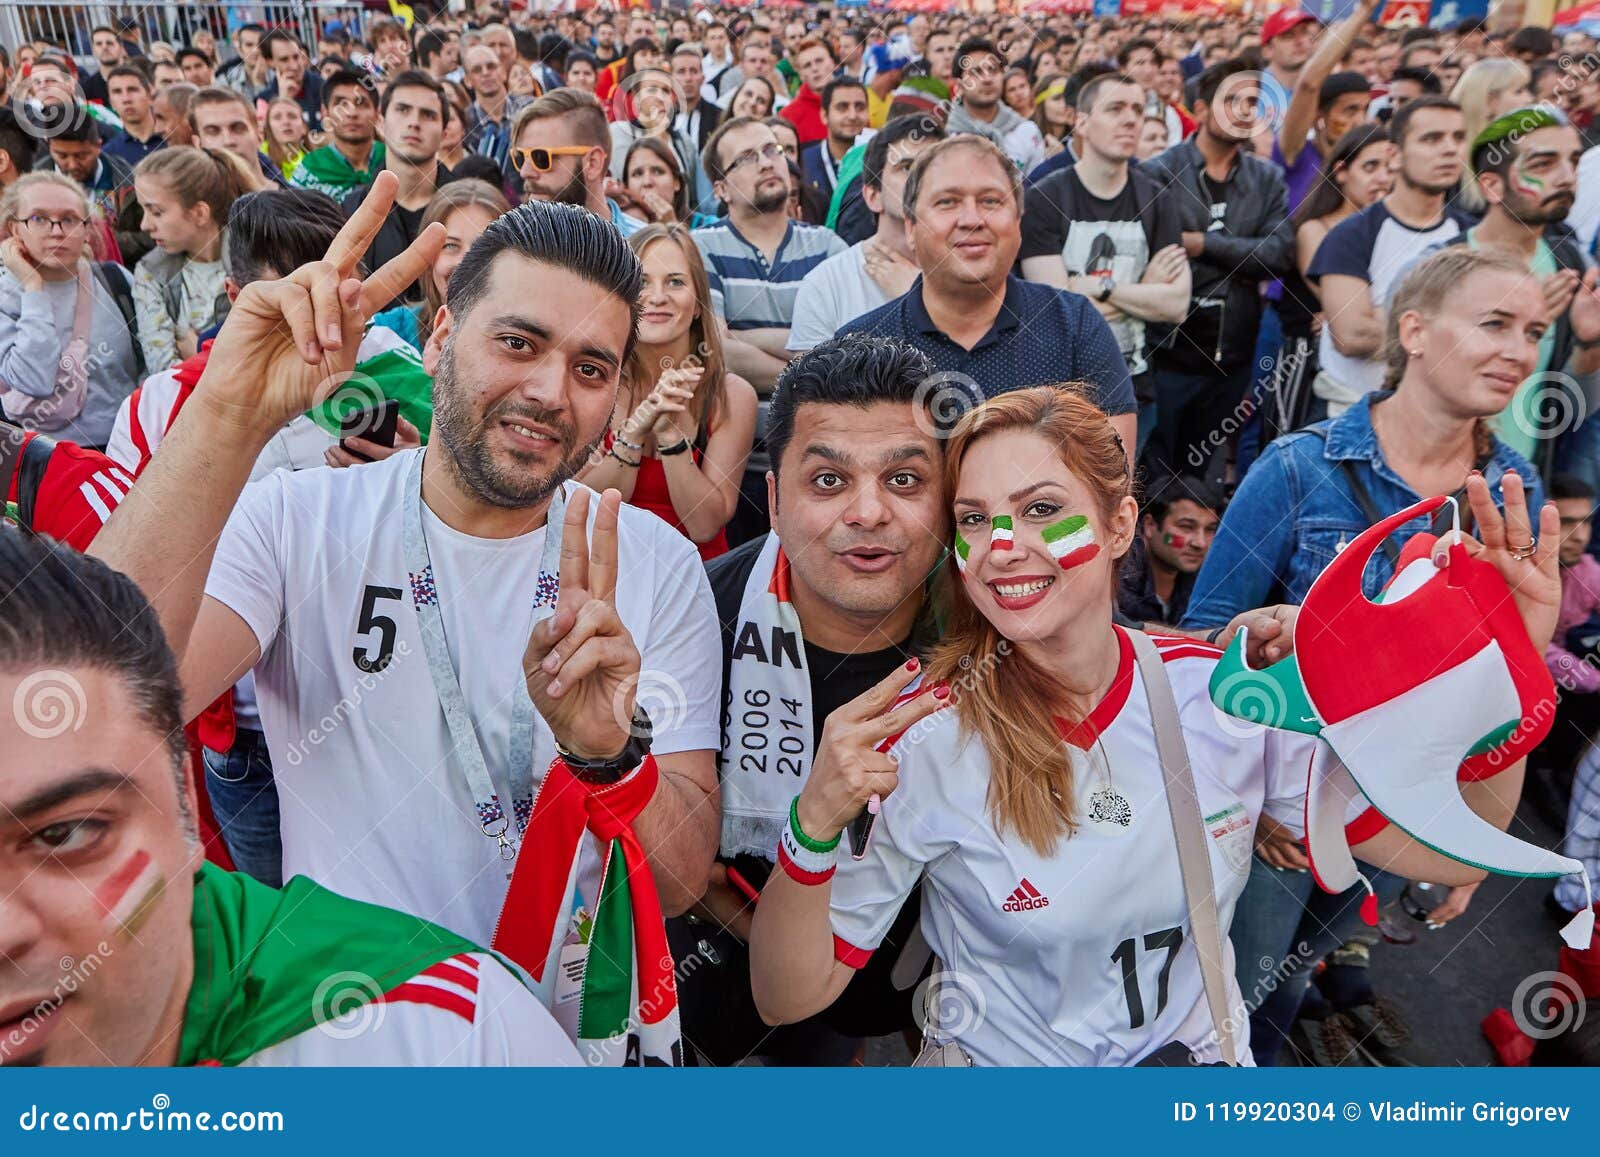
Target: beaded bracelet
807, 861
636, 447
631, 465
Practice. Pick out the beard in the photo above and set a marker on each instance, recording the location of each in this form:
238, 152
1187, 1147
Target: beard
574, 192
1539, 213
465, 438
770, 202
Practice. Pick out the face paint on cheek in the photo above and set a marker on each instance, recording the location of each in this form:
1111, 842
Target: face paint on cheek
1525, 183
962, 551
1176, 541
1071, 541
129, 895
1001, 534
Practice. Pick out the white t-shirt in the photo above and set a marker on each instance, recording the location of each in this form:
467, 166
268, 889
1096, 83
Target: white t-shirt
147, 414
1085, 956
1377, 247
468, 1011
835, 292
372, 804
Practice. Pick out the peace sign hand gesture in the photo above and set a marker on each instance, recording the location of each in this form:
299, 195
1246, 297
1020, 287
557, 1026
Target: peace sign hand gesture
849, 769
289, 344
581, 663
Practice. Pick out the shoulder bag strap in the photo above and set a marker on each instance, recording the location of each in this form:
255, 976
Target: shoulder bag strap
1369, 508
1194, 861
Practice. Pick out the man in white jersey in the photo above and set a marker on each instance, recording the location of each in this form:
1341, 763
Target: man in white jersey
387, 610
120, 946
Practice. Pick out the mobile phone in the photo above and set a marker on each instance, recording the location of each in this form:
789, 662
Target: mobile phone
375, 424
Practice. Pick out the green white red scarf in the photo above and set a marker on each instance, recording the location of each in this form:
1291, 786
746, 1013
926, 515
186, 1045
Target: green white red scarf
628, 1003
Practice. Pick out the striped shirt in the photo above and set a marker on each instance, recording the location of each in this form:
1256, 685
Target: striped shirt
749, 292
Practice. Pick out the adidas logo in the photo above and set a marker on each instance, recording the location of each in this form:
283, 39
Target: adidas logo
1025, 898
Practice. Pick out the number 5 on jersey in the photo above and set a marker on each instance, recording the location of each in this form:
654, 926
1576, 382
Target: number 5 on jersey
379, 628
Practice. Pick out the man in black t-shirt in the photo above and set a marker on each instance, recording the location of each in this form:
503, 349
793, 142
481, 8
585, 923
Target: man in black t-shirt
855, 499
1104, 229
412, 112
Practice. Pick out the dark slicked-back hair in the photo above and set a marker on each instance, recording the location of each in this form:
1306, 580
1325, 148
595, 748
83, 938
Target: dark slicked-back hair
855, 370
567, 236
271, 234
63, 609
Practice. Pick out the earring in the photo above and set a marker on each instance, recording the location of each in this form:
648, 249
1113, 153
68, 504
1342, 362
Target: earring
1413, 353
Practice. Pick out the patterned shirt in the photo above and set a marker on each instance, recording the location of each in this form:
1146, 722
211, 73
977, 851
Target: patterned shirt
200, 287
750, 292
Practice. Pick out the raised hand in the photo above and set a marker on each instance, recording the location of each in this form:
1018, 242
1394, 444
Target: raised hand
848, 769
1532, 575
20, 265
581, 663
289, 344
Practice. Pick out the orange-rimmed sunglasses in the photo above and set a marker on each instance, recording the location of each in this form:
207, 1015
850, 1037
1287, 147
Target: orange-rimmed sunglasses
543, 159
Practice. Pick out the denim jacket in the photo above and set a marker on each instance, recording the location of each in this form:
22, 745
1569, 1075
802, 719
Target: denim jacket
1294, 509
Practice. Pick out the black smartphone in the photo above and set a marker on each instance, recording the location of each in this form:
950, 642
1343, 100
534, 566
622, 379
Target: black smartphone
375, 424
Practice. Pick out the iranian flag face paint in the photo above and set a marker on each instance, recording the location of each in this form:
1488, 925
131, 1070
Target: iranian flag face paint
1071, 541
1001, 535
130, 893
962, 550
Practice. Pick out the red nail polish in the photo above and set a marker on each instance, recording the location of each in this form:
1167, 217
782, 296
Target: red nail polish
942, 691
912, 664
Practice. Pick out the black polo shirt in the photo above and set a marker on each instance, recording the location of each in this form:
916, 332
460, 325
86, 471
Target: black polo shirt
1041, 336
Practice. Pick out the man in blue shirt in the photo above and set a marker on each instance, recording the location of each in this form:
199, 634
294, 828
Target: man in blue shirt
131, 97
292, 76
984, 330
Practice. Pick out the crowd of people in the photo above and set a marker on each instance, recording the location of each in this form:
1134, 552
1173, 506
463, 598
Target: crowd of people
819, 452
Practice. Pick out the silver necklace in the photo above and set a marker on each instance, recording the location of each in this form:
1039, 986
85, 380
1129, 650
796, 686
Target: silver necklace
1107, 805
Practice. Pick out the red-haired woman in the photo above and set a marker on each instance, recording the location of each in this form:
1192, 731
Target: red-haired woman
1034, 809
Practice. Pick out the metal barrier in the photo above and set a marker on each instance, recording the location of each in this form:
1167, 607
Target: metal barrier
68, 25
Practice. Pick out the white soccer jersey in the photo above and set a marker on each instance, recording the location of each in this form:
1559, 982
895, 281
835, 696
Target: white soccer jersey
372, 803
466, 1011
1083, 956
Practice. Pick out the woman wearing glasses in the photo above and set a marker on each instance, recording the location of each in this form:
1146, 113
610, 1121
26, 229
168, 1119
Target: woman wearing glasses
67, 354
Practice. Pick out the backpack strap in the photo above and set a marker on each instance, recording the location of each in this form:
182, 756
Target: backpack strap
122, 293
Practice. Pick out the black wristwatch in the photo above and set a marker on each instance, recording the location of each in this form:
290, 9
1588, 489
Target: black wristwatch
613, 769
1108, 286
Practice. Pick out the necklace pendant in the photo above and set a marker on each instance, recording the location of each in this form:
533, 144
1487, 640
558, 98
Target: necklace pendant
1107, 806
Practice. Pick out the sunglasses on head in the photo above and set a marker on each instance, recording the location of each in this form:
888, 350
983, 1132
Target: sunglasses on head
544, 159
